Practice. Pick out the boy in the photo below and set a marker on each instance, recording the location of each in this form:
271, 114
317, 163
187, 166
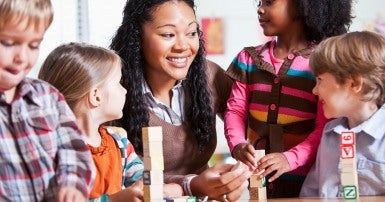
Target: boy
350, 71
42, 154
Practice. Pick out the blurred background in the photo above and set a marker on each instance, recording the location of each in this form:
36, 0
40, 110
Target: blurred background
227, 29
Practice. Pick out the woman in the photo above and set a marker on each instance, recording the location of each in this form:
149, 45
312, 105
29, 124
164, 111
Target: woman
170, 84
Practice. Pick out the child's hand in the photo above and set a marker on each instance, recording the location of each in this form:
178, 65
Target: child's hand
69, 194
172, 190
273, 162
245, 152
133, 193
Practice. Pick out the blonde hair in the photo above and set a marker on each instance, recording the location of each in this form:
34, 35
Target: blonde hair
354, 54
37, 12
75, 68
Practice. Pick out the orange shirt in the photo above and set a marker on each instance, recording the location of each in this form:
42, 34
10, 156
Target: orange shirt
108, 162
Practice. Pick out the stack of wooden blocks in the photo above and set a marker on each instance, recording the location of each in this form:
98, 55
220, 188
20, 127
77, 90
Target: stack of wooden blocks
349, 179
153, 164
257, 190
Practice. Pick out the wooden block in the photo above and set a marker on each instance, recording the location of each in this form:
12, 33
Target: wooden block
255, 181
350, 192
153, 192
348, 165
257, 193
347, 138
153, 163
152, 148
347, 151
150, 134
259, 153
349, 179
182, 199
153, 177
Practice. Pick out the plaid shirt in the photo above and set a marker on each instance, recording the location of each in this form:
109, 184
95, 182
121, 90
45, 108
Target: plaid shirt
41, 148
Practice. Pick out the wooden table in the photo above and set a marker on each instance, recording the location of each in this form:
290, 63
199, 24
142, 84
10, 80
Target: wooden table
361, 199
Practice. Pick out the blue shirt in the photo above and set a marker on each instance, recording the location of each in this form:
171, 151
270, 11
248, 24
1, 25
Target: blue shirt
323, 179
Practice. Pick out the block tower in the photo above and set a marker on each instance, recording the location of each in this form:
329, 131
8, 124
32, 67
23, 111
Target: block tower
153, 164
257, 190
349, 179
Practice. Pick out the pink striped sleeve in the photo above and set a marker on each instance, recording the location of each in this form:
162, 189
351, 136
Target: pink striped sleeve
236, 115
303, 155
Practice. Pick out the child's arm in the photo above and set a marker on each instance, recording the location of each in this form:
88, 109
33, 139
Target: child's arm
235, 124
303, 154
75, 167
70, 194
133, 167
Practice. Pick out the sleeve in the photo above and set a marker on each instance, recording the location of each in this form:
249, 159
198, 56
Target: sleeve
304, 154
219, 86
133, 167
236, 115
75, 166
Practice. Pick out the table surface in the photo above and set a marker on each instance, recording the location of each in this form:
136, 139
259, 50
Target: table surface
361, 199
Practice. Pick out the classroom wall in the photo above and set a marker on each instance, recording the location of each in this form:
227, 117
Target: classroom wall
239, 17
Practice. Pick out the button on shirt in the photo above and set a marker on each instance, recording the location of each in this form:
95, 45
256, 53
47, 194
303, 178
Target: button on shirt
41, 148
323, 179
173, 115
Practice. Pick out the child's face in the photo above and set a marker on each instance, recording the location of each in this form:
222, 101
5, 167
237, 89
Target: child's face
19, 50
339, 100
276, 17
114, 96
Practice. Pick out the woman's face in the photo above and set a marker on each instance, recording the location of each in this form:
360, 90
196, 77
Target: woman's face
170, 41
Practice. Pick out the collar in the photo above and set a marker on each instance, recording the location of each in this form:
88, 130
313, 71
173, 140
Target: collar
147, 90
374, 126
26, 90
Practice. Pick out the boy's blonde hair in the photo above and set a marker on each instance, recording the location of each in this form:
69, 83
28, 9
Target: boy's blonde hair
354, 54
75, 68
37, 12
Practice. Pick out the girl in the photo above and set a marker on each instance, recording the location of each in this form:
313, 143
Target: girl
89, 78
272, 96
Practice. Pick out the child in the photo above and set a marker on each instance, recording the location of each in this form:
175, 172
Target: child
43, 155
89, 78
350, 71
271, 103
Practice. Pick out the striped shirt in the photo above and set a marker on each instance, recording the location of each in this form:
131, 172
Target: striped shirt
41, 147
173, 115
116, 154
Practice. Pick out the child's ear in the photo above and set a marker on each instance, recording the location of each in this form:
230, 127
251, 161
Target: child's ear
94, 97
356, 83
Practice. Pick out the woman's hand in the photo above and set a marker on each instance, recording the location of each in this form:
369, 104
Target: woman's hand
222, 181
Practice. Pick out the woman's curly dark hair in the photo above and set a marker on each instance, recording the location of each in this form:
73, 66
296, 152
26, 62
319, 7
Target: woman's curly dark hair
325, 18
126, 43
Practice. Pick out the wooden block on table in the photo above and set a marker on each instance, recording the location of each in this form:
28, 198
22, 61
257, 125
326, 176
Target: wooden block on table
349, 179
348, 165
153, 163
153, 148
153, 177
257, 193
259, 153
182, 199
255, 181
350, 192
153, 192
150, 134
